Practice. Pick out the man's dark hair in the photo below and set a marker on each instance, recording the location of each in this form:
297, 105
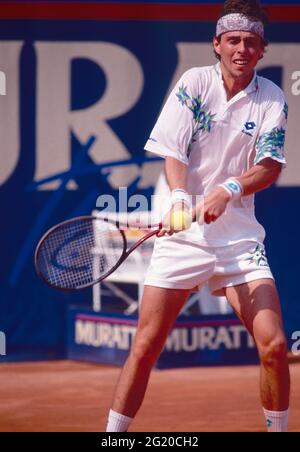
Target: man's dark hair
250, 8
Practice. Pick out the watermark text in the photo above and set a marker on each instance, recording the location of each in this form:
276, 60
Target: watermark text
137, 211
2, 344
296, 345
2, 84
296, 84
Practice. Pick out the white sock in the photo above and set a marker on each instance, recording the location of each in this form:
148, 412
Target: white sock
277, 421
118, 422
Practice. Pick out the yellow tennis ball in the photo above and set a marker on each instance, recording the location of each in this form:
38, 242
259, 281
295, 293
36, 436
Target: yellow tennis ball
180, 220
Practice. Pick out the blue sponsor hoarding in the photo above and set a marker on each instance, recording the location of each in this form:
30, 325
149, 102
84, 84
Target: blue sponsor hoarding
193, 341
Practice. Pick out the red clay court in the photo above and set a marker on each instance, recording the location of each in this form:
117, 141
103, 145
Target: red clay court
66, 396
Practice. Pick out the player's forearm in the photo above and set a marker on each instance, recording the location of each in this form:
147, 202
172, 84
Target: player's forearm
176, 173
176, 219
259, 177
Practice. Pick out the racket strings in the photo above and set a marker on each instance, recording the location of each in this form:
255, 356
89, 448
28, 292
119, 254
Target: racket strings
80, 252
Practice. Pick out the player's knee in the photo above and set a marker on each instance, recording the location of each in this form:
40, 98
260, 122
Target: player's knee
273, 351
144, 352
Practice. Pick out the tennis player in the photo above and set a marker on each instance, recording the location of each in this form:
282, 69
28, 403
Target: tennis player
222, 134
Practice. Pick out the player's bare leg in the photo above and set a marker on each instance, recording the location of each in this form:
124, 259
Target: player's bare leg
159, 309
257, 304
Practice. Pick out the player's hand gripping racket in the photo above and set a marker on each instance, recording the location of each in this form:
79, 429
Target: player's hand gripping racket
83, 251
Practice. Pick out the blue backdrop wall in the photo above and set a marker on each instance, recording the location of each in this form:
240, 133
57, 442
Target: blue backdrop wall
84, 85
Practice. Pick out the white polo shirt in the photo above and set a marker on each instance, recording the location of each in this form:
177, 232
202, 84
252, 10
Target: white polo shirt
218, 139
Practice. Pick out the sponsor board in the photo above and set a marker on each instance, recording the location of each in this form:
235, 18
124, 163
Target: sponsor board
205, 340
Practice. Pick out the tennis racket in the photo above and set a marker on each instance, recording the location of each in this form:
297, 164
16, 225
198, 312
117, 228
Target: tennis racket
83, 251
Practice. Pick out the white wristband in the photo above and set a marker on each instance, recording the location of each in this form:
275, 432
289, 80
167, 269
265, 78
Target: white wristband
180, 195
233, 187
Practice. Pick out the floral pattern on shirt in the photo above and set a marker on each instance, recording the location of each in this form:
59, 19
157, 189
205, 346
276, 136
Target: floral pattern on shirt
271, 144
182, 95
202, 118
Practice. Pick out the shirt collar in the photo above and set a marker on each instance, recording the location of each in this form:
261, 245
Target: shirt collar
252, 87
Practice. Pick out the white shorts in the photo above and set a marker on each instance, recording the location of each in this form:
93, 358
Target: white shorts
178, 263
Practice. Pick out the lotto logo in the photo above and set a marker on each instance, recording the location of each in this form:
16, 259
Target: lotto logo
250, 126
233, 186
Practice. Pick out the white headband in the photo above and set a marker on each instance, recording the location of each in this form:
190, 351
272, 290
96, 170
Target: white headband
239, 22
